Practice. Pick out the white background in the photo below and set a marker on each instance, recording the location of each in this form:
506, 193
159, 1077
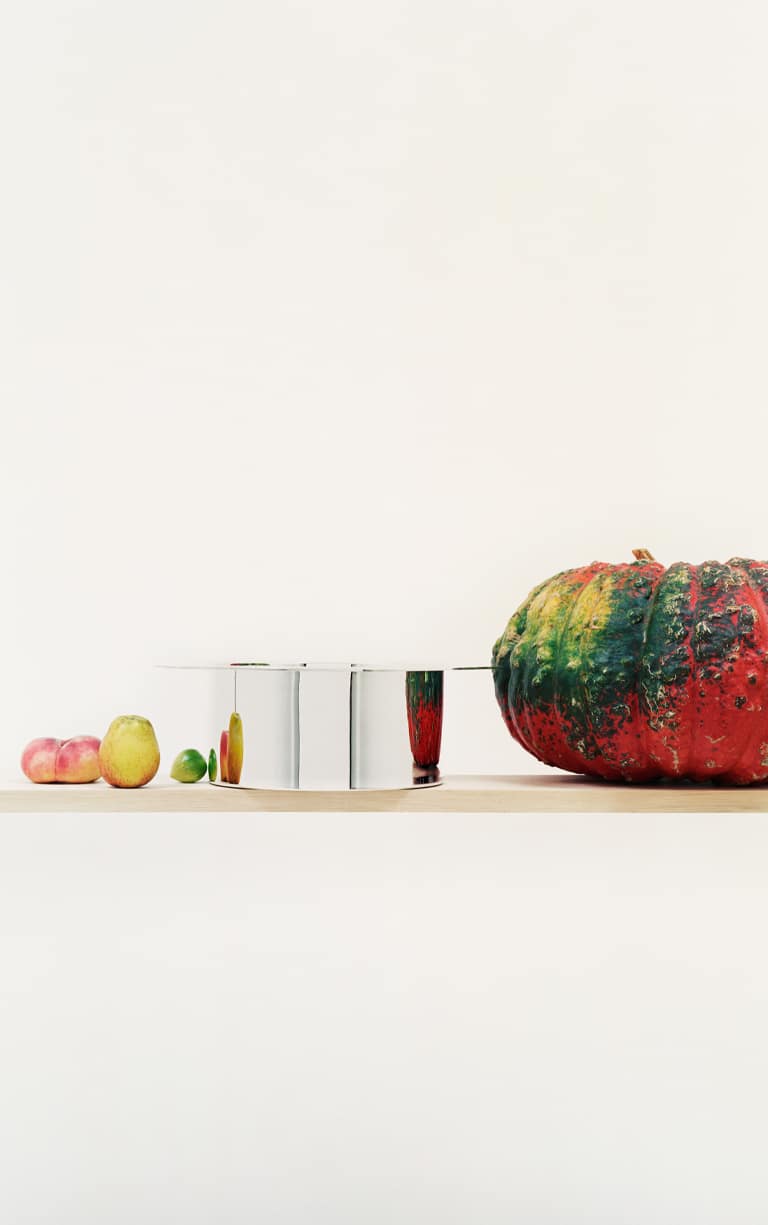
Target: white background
329, 329
332, 328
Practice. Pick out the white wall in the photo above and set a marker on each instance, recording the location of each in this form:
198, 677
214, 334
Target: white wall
331, 328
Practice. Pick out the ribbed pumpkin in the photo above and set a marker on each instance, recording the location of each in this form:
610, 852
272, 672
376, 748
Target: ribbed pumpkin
637, 672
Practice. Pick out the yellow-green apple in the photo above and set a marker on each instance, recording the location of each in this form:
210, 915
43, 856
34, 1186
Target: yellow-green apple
76, 760
129, 755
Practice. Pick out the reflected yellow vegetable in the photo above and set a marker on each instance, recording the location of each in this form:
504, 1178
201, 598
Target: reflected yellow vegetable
235, 748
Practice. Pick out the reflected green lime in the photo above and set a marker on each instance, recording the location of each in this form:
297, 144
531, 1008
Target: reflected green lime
189, 766
212, 766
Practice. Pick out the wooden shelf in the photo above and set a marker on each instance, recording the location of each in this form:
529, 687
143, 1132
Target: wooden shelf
462, 793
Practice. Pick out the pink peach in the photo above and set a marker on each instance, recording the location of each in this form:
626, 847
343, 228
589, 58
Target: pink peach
76, 760
38, 761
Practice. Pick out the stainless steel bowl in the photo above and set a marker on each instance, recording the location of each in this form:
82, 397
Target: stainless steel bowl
332, 726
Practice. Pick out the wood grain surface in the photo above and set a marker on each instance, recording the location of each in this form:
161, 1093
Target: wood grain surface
460, 793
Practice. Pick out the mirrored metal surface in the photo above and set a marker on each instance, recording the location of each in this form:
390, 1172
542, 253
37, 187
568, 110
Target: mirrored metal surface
331, 726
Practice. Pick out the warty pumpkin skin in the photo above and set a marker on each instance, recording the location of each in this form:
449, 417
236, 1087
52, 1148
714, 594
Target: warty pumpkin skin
638, 671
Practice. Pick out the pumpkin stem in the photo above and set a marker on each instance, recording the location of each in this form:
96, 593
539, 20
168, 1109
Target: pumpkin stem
643, 555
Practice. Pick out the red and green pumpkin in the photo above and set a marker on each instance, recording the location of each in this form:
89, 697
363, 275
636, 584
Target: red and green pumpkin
424, 705
637, 671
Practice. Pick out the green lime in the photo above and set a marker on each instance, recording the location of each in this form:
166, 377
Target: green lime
189, 766
212, 767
